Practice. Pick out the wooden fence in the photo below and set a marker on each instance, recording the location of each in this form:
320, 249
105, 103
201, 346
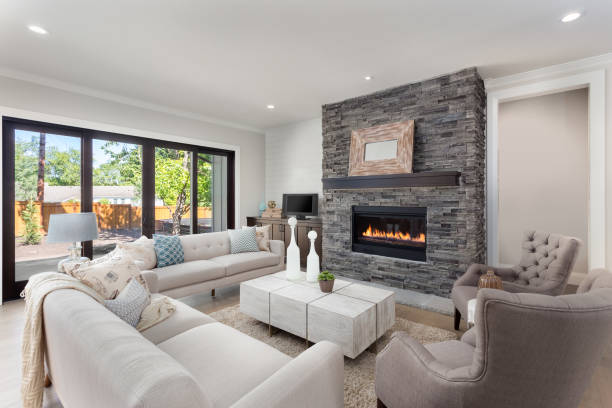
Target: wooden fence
110, 216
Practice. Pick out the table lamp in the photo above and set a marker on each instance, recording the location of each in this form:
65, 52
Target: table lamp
75, 228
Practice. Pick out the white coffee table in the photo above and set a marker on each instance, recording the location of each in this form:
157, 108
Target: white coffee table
354, 316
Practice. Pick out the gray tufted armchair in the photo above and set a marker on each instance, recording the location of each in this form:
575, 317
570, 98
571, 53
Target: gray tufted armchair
545, 266
497, 363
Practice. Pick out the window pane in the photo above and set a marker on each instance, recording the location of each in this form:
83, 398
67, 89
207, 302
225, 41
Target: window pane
117, 193
172, 191
47, 181
212, 193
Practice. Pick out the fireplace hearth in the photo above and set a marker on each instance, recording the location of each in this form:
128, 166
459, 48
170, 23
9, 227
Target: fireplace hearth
398, 232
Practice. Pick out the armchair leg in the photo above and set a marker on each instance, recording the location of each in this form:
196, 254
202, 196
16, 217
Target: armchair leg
212, 292
379, 404
457, 319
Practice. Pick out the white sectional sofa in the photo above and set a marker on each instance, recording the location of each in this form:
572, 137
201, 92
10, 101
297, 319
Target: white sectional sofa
97, 360
209, 265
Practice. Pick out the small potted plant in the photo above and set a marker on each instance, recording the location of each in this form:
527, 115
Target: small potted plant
326, 281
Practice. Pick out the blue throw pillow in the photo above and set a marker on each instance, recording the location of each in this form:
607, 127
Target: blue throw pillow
243, 240
168, 249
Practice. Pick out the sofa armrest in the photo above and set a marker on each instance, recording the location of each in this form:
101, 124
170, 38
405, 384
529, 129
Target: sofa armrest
150, 278
472, 275
314, 379
278, 247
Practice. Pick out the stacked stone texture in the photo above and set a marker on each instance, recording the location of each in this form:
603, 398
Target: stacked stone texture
449, 114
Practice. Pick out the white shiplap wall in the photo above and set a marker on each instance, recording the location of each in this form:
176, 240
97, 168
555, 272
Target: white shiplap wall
294, 156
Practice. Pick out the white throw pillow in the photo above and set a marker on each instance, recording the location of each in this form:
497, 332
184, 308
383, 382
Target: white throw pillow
141, 251
110, 276
262, 234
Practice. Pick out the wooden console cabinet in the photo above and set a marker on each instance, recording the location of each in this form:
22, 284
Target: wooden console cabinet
282, 232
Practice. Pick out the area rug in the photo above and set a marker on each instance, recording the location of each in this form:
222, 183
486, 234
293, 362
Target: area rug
358, 373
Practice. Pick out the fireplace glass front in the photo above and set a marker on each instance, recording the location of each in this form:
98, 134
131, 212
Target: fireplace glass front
399, 232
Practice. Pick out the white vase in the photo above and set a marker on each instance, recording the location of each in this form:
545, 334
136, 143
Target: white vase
293, 255
312, 261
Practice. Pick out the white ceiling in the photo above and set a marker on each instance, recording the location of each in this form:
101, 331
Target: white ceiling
229, 59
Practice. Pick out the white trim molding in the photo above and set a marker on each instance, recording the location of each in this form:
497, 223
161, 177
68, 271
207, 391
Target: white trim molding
112, 97
514, 88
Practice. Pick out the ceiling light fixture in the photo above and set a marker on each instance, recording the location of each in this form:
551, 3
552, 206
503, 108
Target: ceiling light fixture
37, 29
368, 77
270, 107
571, 17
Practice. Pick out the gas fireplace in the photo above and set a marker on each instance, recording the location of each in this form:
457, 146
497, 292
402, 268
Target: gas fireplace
399, 232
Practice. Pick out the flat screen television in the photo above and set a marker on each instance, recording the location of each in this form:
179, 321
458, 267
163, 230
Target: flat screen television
301, 205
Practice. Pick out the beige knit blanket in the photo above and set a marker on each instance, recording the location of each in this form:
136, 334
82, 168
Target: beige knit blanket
33, 345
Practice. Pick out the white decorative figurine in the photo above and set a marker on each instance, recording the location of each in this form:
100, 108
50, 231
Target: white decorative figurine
293, 255
312, 261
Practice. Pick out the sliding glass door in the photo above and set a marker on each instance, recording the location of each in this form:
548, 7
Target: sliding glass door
117, 193
135, 186
47, 180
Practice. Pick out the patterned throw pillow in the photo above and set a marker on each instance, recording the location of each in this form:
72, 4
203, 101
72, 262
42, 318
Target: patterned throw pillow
168, 249
243, 240
108, 275
130, 303
262, 234
141, 251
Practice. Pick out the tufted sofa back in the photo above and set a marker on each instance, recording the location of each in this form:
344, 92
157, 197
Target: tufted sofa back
199, 247
546, 258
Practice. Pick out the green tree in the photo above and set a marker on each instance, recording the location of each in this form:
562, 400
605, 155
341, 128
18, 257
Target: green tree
29, 215
172, 183
26, 169
63, 168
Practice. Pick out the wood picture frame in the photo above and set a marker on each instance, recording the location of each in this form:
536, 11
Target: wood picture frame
383, 149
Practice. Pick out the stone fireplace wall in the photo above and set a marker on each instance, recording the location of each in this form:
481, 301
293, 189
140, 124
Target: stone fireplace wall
449, 114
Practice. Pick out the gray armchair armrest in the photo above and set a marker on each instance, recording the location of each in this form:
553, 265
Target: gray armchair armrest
471, 276
278, 247
404, 369
150, 278
314, 379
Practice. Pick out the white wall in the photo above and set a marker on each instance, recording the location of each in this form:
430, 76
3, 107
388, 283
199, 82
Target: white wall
294, 156
49, 104
543, 170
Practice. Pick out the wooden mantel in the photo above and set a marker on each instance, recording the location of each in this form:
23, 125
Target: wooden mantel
422, 179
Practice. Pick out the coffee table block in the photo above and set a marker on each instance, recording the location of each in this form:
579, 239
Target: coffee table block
288, 308
346, 321
384, 300
255, 296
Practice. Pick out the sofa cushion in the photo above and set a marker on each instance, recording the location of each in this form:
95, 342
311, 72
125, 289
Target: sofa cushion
142, 251
246, 261
168, 249
183, 319
188, 273
453, 354
226, 363
205, 246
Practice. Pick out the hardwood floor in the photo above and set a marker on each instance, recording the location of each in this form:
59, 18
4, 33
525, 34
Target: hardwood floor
598, 395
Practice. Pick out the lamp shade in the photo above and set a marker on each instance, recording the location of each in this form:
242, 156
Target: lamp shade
75, 227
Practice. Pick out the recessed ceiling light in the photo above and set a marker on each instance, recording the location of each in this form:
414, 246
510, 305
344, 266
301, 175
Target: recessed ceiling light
571, 17
270, 107
368, 77
37, 29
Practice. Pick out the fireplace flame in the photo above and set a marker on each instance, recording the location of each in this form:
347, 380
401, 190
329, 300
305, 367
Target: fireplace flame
400, 236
